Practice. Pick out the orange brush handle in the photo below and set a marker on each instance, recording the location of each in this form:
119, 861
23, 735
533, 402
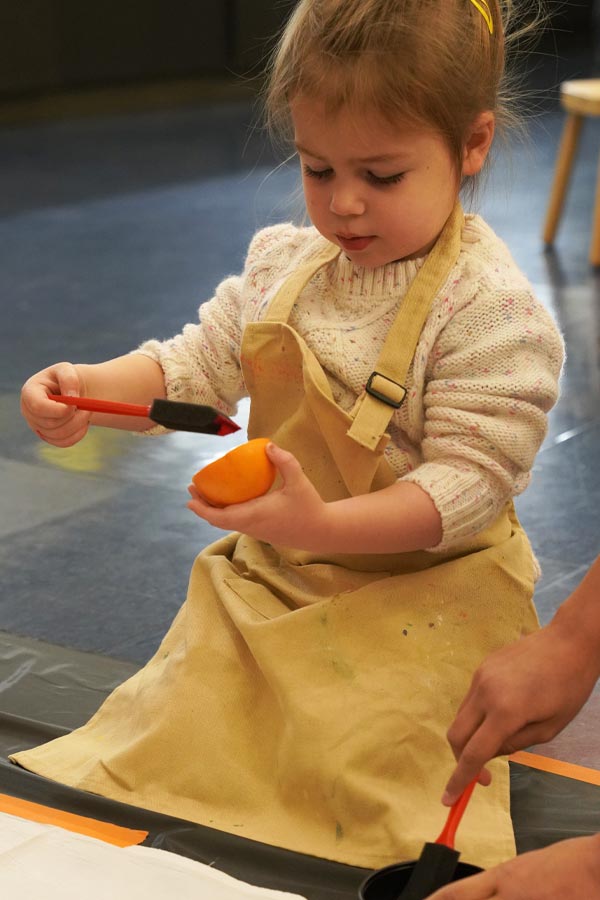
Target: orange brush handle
103, 406
448, 832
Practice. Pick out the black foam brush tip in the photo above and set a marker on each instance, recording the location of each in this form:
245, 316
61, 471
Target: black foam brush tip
170, 413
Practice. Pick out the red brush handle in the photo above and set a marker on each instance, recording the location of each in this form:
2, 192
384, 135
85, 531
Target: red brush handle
103, 406
448, 832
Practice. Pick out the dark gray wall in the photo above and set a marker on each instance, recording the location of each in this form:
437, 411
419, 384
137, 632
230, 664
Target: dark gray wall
54, 44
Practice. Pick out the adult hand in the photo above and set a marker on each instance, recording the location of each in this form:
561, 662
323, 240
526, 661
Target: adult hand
54, 422
568, 870
523, 694
292, 515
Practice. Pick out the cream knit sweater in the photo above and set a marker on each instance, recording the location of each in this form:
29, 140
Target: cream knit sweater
484, 376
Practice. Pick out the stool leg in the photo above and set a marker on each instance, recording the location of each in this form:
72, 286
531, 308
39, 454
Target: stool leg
595, 245
562, 172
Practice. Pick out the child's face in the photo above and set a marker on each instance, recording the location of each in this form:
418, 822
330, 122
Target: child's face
379, 194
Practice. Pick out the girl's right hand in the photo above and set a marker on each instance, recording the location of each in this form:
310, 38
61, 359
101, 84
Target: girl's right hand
54, 422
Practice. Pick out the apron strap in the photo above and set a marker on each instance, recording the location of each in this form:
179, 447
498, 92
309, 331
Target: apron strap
385, 389
281, 305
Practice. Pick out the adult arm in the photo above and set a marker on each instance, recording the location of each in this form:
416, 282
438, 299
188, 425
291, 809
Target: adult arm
527, 692
568, 870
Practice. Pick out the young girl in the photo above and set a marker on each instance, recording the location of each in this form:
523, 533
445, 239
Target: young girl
398, 361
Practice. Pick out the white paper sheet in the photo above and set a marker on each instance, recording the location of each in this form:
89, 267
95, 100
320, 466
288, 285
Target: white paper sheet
44, 862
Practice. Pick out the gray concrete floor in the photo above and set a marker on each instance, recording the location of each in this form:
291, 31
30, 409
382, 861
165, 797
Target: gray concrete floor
114, 229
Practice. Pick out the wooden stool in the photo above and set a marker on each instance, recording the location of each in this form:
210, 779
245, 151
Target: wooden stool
579, 98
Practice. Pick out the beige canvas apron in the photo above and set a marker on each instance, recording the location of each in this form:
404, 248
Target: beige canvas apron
302, 700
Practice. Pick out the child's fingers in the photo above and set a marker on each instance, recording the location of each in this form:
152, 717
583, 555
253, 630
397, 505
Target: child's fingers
67, 378
199, 505
62, 433
54, 422
197, 499
62, 378
63, 442
286, 463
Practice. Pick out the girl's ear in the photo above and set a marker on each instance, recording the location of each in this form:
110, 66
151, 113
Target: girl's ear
478, 143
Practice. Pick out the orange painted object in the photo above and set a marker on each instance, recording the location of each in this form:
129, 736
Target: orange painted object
242, 474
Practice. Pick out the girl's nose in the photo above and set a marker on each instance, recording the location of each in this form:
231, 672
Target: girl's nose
346, 201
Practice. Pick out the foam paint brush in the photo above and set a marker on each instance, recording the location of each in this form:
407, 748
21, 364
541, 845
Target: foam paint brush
437, 865
437, 862
171, 414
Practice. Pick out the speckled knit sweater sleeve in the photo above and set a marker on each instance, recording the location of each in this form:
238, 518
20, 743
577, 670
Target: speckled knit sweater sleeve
202, 364
484, 376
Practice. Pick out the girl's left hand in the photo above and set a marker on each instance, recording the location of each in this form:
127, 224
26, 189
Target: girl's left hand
292, 515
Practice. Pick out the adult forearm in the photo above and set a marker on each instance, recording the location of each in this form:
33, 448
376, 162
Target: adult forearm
579, 616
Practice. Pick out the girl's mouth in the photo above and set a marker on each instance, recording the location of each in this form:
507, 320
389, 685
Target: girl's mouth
355, 242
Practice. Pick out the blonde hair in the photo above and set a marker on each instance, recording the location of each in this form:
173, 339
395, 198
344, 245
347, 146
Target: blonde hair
432, 63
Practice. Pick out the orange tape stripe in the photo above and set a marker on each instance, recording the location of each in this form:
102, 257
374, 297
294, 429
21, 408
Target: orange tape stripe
104, 831
556, 766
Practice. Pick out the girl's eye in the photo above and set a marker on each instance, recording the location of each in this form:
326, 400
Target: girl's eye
316, 173
385, 179
379, 180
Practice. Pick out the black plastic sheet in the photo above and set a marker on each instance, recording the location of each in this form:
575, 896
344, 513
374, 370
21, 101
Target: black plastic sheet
46, 691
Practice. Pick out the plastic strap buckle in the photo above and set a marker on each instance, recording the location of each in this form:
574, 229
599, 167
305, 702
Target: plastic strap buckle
398, 394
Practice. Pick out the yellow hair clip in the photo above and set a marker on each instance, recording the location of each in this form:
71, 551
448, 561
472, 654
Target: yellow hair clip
486, 12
